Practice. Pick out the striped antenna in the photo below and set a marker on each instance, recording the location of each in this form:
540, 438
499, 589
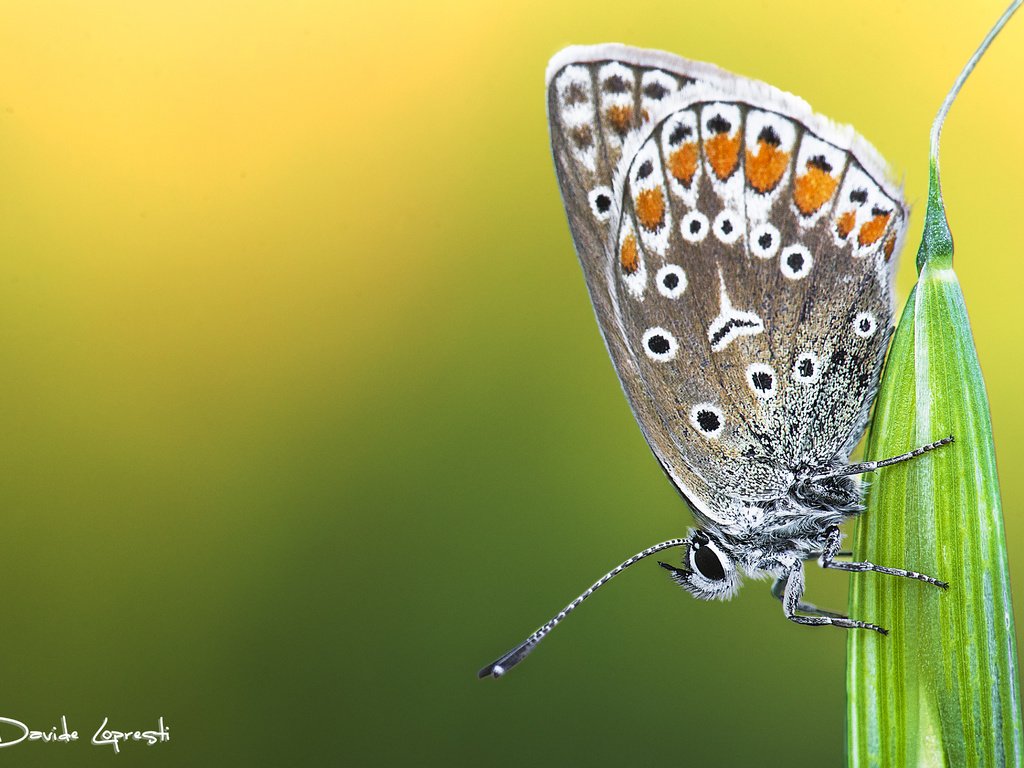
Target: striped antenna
503, 664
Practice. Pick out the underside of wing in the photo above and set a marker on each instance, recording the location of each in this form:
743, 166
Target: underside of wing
737, 249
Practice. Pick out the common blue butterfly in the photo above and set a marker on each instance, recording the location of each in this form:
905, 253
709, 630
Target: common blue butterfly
738, 250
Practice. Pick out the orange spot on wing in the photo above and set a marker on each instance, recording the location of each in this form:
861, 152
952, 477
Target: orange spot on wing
683, 163
889, 246
629, 257
872, 230
766, 168
813, 190
723, 154
650, 208
845, 223
621, 119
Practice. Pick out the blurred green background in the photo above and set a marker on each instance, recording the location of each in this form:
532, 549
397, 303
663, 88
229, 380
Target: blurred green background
305, 412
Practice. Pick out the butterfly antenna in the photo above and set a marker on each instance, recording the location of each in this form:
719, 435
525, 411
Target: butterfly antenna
502, 665
871, 466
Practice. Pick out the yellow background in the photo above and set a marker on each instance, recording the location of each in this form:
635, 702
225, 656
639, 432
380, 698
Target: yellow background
305, 414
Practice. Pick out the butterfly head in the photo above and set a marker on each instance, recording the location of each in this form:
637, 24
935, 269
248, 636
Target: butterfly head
710, 572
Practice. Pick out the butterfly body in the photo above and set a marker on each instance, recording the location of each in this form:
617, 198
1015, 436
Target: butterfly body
739, 251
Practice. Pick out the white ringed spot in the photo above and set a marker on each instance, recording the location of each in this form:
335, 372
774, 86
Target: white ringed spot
796, 262
601, 203
694, 226
707, 419
671, 281
807, 368
762, 381
865, 325
764, 241
660, 345
728, 226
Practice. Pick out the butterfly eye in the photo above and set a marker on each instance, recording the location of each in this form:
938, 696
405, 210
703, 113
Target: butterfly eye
710, 574
707, 563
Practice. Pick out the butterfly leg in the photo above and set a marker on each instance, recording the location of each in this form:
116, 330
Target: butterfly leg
778, 590
831, 551
871, 466
794, 590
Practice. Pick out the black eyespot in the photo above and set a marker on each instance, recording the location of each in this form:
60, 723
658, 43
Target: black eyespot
859, 196
603, 203
645, 169
726, 227
679, 133
719, 124
671, 281
615, 84
765, 240
655, 91
708, 421
695, 226
864, 325
795, 261
876, 211
576, 94
819, 162
769, 136
762, 380
806, 367
707, 562
659, 345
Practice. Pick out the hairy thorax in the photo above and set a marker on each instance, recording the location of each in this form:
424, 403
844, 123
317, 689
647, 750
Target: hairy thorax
792, 528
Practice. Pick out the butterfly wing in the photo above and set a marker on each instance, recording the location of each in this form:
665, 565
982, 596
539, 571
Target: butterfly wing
737, 249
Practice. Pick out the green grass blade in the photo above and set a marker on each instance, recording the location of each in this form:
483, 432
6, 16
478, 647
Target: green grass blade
942, 689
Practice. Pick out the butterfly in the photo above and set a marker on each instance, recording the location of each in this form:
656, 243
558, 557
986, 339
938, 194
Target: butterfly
739, 253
